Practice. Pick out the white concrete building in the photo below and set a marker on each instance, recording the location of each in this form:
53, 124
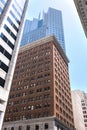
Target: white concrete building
12, 14
81, 6
79, 101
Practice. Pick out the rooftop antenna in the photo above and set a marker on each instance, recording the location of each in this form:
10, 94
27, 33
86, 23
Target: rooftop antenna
43, 12
39, 16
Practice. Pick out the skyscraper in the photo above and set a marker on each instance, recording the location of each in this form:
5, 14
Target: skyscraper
82, 11
40, 96
12, 14
50, 24
79, 101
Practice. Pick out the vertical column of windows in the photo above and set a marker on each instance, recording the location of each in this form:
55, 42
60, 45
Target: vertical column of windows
7, 41
0, 10
13, 19
18, 5
2, 5
8, 56
2, 82
9, 31
3, 51
14, 16
16, 13
12, 24
16, 10
3, 66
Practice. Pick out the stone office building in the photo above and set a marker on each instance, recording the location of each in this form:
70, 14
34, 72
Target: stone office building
40, 96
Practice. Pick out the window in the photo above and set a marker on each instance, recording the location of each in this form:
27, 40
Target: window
38, 106
0, 9
9, 31
37, 127
47, 88
39, 90
46, 96
57, 107
3, 66
28, 127
16, 10
56, 98
46, 126
12, 24
47, 104
5, 52
20, 128
5, 128
18, 5
12, 128
7, 41
13, 15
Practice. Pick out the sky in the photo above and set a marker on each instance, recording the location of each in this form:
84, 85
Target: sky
75, 39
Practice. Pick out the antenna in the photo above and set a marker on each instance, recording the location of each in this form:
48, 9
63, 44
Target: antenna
39, 16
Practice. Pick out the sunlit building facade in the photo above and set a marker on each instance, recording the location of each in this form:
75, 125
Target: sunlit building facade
81, 6
40, 96
12, 14
79, 101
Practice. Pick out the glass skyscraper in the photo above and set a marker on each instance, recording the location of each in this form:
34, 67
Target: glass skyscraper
50, 24
12, 15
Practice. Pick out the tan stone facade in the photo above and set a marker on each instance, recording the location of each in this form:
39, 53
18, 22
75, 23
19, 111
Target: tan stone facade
46, 123
79, 101
41, 86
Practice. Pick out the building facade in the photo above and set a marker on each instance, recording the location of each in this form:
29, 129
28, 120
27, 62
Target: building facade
81, 6
50, 24
40, 96
79, 100
12, 14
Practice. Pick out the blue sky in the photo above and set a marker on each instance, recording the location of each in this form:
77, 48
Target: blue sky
75, 39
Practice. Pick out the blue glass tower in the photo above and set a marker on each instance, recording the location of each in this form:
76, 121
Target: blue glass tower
50, 24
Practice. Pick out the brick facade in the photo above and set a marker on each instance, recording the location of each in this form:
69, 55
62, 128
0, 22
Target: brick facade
41, 86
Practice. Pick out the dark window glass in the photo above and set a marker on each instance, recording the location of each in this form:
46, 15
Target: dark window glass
37, 127
5, 128
3, 66
46, 126
2, 82
12, 24
12, 128
5, 52
28, 127
9, 31
15, 17
0, 9
20, 127
6, 40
